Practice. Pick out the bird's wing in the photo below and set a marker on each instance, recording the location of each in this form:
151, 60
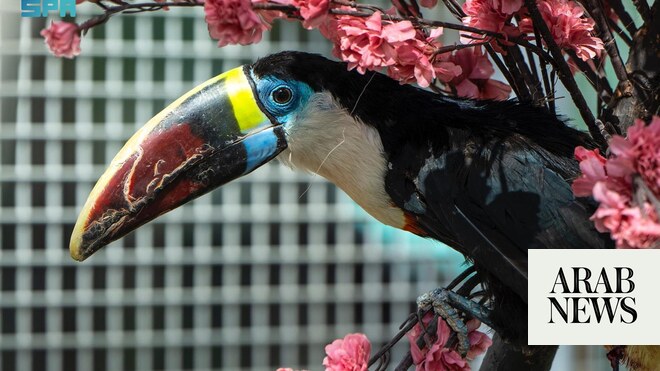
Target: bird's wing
495, 202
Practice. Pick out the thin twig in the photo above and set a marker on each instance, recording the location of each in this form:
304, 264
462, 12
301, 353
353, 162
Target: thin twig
533, 84
644, 10
599, 83
603, 30
465, 274
534, 70
469, 285
626, 39
454, 9
458, 10
500, 64
564, 72
521, 88
409, 324
415, 8
624, 16
451, 48
130, 9
355, 5
549, 89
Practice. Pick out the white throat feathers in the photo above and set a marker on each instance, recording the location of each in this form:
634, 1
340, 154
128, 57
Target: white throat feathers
324, 139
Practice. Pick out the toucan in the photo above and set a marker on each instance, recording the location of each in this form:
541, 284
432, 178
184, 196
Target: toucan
490, 179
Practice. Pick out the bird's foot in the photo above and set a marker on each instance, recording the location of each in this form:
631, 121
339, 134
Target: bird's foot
454, 309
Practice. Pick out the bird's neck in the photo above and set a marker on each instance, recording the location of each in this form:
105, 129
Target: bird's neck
346, 152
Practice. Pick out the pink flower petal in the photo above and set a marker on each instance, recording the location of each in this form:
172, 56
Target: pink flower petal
63, 39
313, 12
233, 22
474, 80
632, 222
348, 354
570, 27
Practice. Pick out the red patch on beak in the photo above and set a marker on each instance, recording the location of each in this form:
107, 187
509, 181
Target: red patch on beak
152, 169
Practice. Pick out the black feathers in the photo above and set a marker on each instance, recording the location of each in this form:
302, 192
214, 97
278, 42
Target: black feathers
490, 179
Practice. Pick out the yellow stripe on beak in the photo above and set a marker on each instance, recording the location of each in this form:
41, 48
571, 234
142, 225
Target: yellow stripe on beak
248, 114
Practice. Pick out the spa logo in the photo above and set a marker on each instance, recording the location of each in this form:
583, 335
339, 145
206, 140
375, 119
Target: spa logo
580, 295
41, 8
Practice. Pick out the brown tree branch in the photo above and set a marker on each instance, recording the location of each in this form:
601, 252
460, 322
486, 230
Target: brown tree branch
534, 85
564, 72
598, 82
549, 88
644, 10
603, 30
643, 66
521, 89
615, 27
129, 8
624, 16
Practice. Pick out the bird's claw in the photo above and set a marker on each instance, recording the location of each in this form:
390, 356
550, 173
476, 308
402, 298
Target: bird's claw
438, 301
445, 303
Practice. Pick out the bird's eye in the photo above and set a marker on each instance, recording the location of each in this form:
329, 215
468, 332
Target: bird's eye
282, 95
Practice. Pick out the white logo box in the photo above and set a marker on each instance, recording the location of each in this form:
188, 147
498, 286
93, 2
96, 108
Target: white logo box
636, 314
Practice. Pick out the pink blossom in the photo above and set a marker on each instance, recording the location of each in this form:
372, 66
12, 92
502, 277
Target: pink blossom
642, 150
623, 211
630, 226
440, 358
474, 80
570, 28
367, 43
479, 342
416, 61
592, 166
490, 15
313, 12
233, 22
348, 354
373, 44
63, 39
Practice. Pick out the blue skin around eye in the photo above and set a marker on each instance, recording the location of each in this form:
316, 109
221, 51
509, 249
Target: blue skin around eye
284, 113
261, 146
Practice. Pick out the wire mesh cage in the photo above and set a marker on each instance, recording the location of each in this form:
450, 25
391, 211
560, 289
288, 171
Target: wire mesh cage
259, 274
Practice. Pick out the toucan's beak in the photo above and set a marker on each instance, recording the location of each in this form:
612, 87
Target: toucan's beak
213, 134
